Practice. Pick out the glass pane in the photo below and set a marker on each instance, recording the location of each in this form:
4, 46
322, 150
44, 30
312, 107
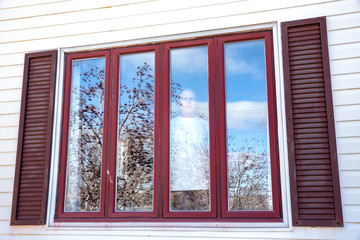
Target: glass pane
248, 155
83, 171
189, 130
135, 164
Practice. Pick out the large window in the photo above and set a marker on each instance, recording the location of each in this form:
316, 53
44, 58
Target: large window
177, 131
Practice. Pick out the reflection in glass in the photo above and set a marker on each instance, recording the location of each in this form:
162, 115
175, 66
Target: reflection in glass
135, 164
189, 130
248, 155
83, 171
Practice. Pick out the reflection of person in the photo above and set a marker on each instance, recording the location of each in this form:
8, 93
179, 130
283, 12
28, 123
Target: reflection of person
189, 165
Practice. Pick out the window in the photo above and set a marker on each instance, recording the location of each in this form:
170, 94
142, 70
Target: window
314, 180
171, 131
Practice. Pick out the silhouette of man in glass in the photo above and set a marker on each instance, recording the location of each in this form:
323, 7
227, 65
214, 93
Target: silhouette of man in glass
189, 161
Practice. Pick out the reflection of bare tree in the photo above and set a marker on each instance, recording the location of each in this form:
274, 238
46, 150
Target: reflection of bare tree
248, 181
136, 141
85, 146
136, 128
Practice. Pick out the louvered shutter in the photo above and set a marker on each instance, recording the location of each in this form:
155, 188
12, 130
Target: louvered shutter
34, 140
314, 174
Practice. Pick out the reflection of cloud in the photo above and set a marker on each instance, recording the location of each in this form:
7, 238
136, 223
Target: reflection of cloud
246, 57
137, 59
189, 60
242, 115
238, 66
245, 115
202, 108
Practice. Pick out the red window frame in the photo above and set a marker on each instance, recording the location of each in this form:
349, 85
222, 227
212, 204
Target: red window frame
114, 127
217, 133
271, 102
166, 144
65, 136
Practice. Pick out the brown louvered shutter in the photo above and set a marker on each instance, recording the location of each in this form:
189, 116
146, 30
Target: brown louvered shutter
314, 174
34, 140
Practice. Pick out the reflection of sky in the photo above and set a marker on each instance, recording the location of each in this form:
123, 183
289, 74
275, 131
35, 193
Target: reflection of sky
246, 97
189, 67
80, 67
129, 64
245, 77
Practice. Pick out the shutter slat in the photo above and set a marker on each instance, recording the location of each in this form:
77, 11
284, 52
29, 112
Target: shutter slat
34, 141
310, 127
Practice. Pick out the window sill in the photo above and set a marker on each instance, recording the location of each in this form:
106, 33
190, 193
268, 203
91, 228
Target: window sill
191, 226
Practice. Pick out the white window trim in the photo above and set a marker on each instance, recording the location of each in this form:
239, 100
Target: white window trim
194, 226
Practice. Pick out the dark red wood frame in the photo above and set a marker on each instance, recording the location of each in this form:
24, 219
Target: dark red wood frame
217, 128
166, 143
114, 132
275, 213
65, 137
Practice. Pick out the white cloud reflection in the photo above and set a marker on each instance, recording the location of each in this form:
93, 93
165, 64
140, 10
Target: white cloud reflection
242, 115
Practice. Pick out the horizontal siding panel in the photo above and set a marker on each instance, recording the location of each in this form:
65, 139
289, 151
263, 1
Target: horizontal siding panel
346, 113
8, 146
351, 196
10, 95
11, 83
5, 212
349, 20
351, 50
351, 213
346, 81
6, 186
350, 35
7, 158
345, 65
6, 199
346, 97
9, 107
7, 172
23, 3
8, 133
187, 26
11, 71
133, 16
350, 179
12, 58
348, 145
348, 129
349, 161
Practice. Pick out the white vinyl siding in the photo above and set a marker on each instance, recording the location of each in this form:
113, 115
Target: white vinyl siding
37, 25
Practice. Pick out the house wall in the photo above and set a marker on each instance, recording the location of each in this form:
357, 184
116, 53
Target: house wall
35, 25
